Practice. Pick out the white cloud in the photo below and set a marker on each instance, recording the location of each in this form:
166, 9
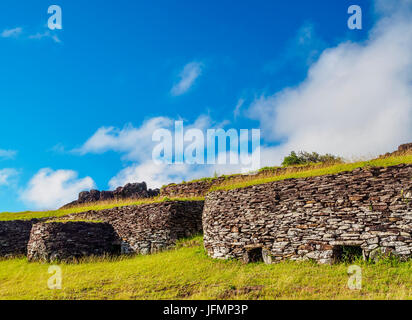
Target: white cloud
7, 154
45, 34
157, 175
11, 33
50, 189
299, 52
6, 175
187, 76
393, 7
16, 32
356, 99
239, 105
135, 143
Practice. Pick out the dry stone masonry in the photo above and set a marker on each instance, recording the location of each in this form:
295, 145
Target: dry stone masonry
201, 187
140, 229
151, 227
57, 241
317, 218
14, 236
189, 189
313, 218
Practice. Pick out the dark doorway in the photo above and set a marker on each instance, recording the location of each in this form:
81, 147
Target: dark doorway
253, 255
347, 254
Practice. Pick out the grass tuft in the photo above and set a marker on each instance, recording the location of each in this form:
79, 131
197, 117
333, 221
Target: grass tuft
96, 206
188, 273
315, 170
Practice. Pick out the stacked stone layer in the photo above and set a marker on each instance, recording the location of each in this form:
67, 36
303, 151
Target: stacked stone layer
14, 236
311, 218
57, 241
201, 188
150, 227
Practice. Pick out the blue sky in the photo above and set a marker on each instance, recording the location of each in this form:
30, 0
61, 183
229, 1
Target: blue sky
117, 66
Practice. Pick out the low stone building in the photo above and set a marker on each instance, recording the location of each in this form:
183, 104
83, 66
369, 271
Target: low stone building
14, 236
313, 218
68, 241
140, 229
150, 227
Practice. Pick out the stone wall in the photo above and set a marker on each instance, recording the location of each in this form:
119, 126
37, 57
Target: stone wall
313, 218
189, 189
57, 241
199, 188
150, 227
14, 236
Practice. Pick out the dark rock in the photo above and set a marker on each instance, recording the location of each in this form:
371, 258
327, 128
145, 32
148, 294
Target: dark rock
106, 195
129, 191
14, 236
405, 147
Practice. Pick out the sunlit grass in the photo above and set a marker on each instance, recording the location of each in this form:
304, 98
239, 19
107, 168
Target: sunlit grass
316, 170
233, 182
97, 206
187, 273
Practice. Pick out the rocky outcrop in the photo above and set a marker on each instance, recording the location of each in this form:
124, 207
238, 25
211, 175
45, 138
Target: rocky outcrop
129, 191
405, 147
151, 227
68, 241
14, 236
313, 218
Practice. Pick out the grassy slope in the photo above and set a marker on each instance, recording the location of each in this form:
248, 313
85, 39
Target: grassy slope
6, 216
318, 171
187, 273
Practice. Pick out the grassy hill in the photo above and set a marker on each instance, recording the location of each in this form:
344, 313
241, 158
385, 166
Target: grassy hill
97, 206
187, 273
232, 182
315, 170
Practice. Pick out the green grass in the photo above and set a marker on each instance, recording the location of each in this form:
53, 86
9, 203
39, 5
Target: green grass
205, 179
228, 184
316, 171
187, 273
7, 216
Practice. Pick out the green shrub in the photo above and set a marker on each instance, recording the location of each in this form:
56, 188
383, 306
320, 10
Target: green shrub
304, 157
